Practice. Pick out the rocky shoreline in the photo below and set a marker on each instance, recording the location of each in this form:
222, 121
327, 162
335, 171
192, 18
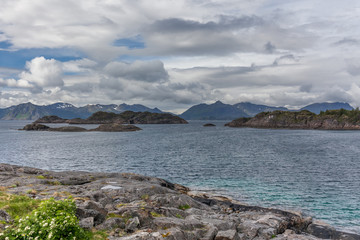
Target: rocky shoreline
133, 207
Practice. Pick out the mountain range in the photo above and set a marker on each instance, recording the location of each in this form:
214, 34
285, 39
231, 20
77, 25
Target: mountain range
215, 111
221, 111
29, 111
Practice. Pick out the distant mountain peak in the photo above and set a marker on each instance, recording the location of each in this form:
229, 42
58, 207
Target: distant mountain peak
318, 107
62, 105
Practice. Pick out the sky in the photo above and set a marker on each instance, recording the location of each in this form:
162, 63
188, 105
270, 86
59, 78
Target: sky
173, 54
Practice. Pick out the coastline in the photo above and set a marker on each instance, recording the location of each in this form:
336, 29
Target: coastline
152, 208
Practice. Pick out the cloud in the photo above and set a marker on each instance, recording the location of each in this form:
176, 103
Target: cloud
222, 36
80, 87
12, 83
348, 41
146, 71
286, 59
189, 37
43, 73
177, 53
224, 23
269, 48
353, 66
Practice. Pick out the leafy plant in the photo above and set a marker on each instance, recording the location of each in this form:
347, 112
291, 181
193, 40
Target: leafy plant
184, 207
52, 220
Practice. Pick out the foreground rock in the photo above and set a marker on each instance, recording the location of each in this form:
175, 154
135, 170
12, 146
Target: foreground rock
115, 127
127, 117
132, 207
329, 120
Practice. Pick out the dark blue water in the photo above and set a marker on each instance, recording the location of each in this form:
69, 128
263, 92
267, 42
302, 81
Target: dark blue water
317, 172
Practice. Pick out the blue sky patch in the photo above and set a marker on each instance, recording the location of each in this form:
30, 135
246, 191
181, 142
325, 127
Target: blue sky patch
5, 45
17, 59
131, 43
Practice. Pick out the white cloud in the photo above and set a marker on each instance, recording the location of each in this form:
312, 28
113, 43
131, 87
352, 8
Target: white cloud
272, 52
43, 73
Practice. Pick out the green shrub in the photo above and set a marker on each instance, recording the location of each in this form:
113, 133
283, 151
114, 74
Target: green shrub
52, 220
184, 207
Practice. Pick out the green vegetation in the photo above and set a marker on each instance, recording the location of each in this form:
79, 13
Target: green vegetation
184, 207
43, 219
330, 119
17, 205
114, 215
53, 183
101, 116
145, 197
353, 116
51, 220
21, 116
155, 214
340, 115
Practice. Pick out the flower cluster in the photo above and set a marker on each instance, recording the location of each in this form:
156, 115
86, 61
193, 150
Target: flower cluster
53, 220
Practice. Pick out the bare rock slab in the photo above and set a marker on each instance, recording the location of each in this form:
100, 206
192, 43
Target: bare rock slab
227, 235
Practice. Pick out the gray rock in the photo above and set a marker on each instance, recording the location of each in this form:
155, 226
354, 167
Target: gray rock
140, 236
291, 235
249, 228
183, 224
328, 232
87, 223
221, 225
132, 224
210, 234
112, 223
74, 181
177, 234
227, 235
4, 216
92, 209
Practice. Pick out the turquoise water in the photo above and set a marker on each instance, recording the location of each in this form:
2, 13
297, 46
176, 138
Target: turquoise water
317, 172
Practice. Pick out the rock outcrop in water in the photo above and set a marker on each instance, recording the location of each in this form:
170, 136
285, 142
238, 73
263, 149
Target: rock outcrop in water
329, 120
209, 125
114, 127
134, 207
127, 117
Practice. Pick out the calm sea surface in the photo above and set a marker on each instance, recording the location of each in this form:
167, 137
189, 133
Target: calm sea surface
317, 172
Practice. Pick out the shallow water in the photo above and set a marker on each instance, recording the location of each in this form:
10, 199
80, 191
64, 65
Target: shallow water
317, 172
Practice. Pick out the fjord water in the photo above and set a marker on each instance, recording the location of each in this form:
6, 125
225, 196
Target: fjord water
317, 172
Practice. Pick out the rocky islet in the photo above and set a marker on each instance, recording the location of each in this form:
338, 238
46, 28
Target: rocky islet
329, 120
110, 127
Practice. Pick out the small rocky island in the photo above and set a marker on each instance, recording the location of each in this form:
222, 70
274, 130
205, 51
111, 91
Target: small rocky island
110, 127
329, 120
128, 206
109, 122
127, 117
